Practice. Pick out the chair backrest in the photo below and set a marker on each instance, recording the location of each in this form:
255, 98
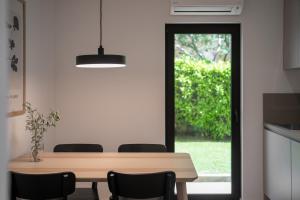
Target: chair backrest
78, 148
142, 186
42, 186
142, 148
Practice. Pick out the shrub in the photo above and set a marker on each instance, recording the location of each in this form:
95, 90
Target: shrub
202, 99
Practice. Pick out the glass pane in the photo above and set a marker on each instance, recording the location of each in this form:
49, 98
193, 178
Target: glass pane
203, 108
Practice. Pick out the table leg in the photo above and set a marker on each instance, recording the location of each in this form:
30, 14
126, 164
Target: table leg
181, 191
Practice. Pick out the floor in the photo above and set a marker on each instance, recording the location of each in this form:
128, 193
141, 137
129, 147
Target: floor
209, 188
193, 188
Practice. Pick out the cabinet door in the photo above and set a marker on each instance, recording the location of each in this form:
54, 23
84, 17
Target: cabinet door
295, 170
277, 166
291, 34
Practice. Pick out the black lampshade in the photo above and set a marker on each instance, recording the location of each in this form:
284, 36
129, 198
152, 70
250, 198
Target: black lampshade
100, 61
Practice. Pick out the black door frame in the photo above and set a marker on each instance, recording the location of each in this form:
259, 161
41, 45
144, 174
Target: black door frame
234, 30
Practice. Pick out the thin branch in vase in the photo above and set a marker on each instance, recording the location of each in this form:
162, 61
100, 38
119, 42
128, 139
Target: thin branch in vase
37, 125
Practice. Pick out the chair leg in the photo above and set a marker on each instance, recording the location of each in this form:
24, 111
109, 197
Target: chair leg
95, 188
94, 185
97, 194
13, 197
113, 197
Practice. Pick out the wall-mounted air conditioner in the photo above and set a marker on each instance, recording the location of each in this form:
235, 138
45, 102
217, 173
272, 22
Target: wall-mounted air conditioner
206, 7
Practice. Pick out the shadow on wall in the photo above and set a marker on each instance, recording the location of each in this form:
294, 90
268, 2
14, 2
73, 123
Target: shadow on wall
18, 136
293, 79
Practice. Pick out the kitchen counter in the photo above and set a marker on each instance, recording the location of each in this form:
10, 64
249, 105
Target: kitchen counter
285, 132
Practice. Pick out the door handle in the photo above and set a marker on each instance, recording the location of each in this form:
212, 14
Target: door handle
236, 116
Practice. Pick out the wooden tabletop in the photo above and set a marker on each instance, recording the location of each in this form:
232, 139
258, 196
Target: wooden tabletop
94, 166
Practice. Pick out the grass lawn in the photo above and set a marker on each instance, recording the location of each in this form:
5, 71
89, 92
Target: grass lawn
209, 157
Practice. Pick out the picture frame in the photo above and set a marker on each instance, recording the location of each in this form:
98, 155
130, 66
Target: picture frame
16, 25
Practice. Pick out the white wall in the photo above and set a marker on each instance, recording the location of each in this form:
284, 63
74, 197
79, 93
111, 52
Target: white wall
39, 72
114, 106
3, 92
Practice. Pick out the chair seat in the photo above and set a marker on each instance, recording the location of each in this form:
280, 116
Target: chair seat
84, 194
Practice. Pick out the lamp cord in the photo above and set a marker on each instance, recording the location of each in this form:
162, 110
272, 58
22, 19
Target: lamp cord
100, 25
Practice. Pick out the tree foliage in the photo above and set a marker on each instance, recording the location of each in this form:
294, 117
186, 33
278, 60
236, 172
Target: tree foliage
210, 48
202, 98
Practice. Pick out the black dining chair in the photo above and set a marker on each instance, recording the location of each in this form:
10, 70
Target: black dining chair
142, 148
142, 186
82, 193
42, 186
78, 148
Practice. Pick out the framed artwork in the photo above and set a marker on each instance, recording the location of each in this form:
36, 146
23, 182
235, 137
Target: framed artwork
16, 58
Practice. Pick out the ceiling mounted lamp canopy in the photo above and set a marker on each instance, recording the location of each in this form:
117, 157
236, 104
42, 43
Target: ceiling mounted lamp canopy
100, 60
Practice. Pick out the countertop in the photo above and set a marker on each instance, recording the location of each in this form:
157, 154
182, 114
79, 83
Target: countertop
291, 134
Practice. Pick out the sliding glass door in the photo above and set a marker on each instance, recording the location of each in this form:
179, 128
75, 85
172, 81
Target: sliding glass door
203, 104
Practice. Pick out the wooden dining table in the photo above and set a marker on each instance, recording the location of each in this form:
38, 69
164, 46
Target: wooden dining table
90, 167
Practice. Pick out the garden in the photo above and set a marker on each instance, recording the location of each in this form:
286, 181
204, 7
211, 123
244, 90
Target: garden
203, 101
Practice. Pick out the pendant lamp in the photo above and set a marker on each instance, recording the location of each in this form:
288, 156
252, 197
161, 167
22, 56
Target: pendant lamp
100, 60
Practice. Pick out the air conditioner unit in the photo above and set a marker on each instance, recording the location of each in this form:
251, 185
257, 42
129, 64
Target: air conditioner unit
206, 7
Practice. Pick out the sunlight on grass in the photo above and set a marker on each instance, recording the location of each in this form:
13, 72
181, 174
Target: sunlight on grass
209, 157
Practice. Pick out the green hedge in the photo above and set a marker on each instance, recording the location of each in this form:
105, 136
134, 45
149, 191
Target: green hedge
202, 99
